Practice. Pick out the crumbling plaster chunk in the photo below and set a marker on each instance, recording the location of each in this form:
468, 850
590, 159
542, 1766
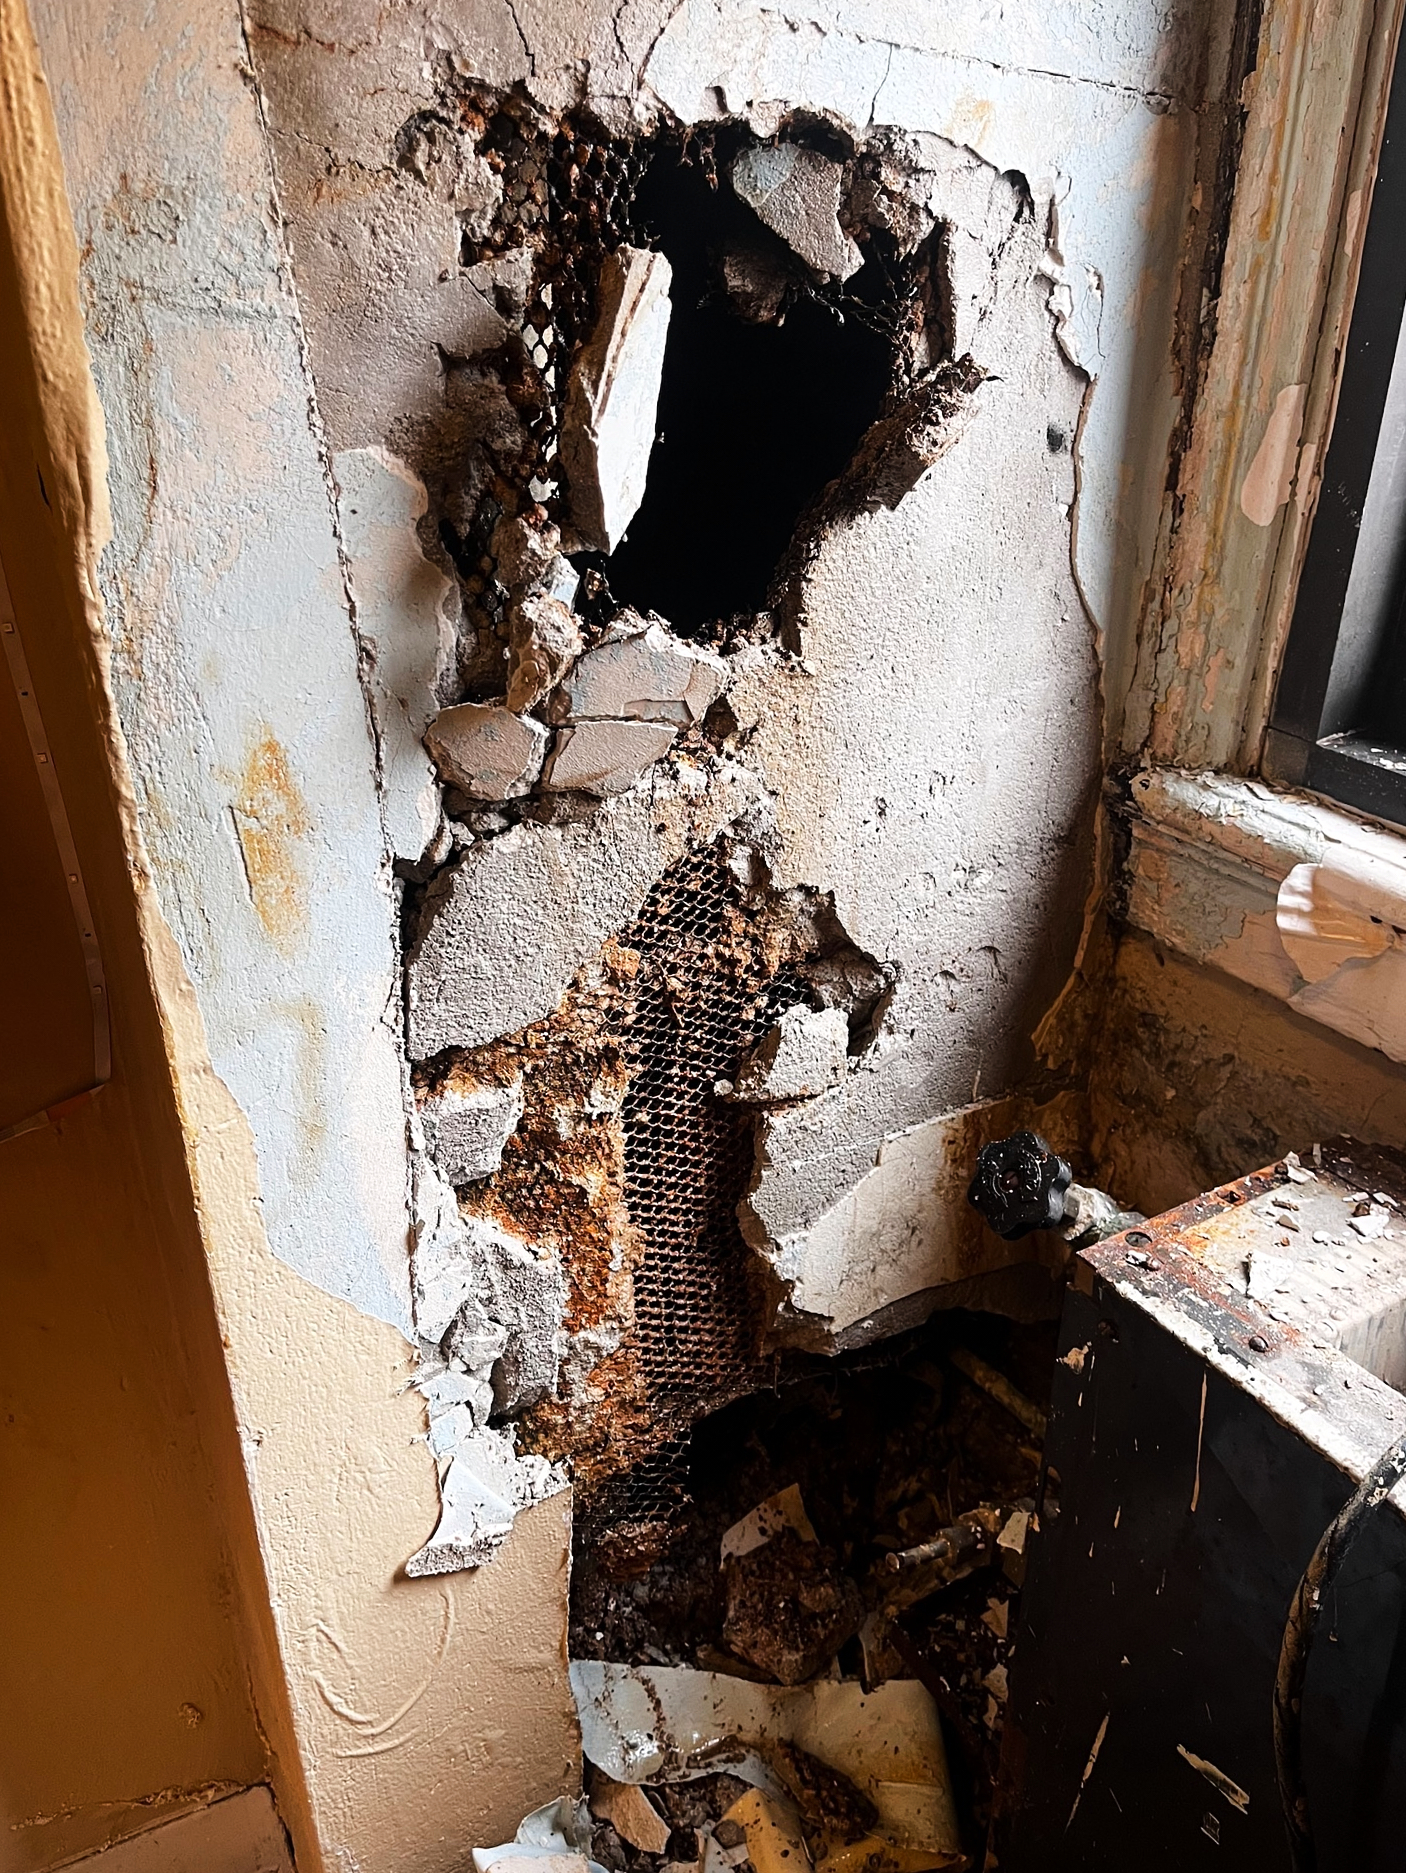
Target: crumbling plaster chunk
605, 757
804, 1054
543, 638
466, 1130
487, 750
481, 1490
405, 616
503, 932
796, 193
491, 1303
612, 398
645, 674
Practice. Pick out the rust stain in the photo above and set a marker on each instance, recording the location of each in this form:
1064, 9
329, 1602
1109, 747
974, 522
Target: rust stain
270, 817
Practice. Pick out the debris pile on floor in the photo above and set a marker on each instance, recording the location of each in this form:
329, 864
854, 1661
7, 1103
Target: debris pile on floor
857, 1535
774, 1778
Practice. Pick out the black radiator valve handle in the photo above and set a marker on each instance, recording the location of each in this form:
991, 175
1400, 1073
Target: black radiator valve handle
1021, 1185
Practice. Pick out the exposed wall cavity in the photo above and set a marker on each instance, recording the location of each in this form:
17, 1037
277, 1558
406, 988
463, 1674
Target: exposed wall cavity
707, 483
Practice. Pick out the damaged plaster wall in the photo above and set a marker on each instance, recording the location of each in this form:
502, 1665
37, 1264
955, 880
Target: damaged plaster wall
916, 733
315, 400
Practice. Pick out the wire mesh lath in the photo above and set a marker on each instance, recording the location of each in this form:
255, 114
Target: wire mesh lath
704, 992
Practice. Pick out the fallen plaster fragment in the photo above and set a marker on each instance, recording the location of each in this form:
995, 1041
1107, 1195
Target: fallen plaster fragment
796, 193
1340, 923
555, 1839
605, 758
629, 1811
486, 750
775, 1843
504, 929
804, 1054
665, 1723
612, 399
643, 674
466, 1130
783, 1510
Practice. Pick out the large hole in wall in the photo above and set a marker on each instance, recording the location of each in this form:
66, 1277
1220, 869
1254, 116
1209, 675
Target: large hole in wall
768, 386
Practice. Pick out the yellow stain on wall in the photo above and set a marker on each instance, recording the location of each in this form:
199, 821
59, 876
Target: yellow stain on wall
270, 816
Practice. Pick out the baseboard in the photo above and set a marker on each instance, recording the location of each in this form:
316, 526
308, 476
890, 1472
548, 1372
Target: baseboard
241, 1834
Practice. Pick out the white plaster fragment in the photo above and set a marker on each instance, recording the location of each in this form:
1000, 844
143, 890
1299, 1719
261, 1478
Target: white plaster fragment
487, 750
494, 1304
663, 1723
644, 674
804, 1054
605, 757
484, 1486
783, 1510
612, 398
554, 1839
466, 1130
796, 193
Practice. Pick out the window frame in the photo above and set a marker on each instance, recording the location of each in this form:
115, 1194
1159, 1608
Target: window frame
1329, 663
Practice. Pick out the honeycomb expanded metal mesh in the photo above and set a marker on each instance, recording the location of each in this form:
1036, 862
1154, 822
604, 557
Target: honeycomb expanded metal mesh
706, 989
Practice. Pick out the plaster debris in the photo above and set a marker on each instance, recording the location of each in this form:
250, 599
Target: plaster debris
628, 1810
643, 674
664, 1724
804, 1054
467, 1128
605, 758
789, 1606
555, 1839
493, 1304
503, 930
544, 638
491, 1311
483, 1485
486, 750
612, 398
796, 192
783, 1510
775, 1843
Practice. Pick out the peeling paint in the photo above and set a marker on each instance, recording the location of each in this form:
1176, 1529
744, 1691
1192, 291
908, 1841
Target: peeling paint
1269, 477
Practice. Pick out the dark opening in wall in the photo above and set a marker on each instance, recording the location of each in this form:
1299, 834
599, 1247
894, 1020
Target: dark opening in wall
888, 1447
769, 383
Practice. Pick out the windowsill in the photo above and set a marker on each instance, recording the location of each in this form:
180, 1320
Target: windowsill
1280, 890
